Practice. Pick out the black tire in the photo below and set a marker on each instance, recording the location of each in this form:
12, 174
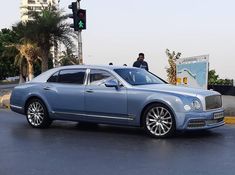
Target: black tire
37, 114
159, 121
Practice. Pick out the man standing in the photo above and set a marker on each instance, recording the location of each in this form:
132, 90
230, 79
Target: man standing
141, 63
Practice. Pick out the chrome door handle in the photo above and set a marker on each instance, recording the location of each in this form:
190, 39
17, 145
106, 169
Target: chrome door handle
89, 91
47, 88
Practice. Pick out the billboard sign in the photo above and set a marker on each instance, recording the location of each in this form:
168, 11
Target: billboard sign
193, 71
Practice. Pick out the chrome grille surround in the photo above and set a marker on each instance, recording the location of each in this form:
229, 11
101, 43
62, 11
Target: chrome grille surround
213, 102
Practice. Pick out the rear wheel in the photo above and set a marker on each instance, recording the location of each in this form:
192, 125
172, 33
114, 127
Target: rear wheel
159, 121
37, 114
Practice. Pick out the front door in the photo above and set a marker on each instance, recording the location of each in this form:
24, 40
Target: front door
104, 103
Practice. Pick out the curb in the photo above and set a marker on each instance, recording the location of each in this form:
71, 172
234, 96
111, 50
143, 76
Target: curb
229, 120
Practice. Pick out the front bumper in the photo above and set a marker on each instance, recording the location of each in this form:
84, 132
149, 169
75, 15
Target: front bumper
203, 120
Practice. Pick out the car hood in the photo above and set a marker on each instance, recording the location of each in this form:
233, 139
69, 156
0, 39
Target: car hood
167, 88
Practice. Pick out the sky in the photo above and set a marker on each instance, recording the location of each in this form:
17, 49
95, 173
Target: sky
118, 30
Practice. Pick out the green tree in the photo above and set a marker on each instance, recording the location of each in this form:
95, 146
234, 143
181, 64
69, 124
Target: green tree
7, 67
171, 71
213, 79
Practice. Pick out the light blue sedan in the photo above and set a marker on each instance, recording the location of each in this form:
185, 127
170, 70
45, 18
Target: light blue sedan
116, 95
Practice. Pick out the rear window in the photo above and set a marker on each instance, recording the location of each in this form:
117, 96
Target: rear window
73, 76
53, 78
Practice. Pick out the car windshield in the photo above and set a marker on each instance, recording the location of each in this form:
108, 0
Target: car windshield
138, 76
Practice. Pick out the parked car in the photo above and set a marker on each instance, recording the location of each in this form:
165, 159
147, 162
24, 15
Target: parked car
116, 95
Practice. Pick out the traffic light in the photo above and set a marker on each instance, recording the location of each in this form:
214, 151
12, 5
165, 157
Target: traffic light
81, 14
74, 8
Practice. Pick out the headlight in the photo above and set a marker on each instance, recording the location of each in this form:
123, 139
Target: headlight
196, 105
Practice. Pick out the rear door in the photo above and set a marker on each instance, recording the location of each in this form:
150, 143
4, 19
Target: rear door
65, 92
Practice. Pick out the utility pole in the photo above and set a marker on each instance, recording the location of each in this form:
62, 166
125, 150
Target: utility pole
80, 56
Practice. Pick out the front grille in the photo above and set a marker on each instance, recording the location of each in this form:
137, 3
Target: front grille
199, 123
214, 121
213, 102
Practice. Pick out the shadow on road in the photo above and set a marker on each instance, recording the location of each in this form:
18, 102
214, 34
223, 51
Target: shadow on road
132, 131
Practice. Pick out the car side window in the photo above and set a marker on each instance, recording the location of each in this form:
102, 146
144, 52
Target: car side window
53, 78
72, 76
99, 77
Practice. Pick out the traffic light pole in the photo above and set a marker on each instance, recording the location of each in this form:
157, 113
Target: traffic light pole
80, 57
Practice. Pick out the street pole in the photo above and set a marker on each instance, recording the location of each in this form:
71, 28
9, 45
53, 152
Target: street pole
80, 58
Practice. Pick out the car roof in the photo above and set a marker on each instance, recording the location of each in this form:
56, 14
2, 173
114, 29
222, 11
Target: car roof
111, 67
46, 75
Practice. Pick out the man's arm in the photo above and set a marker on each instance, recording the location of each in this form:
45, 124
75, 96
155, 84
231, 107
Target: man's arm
147, 67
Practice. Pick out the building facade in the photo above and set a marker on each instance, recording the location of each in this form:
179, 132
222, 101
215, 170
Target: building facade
34, 5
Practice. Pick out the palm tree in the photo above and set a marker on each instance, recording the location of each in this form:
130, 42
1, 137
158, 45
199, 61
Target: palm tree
49, 29
68, 58
171, 71
26, 51
21, 62
31, 52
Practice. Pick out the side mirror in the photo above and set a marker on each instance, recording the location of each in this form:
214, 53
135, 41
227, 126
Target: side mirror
112, 83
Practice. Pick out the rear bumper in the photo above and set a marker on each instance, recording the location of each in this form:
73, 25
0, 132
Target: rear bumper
17, 109
203, 120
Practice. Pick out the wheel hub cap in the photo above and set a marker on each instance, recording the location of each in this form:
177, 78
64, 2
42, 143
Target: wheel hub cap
159, 121
35, 113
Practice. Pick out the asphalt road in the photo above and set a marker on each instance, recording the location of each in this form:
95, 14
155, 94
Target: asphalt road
70, 149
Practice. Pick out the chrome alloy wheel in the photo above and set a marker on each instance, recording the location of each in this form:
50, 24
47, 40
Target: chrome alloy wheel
159, 121
35, 113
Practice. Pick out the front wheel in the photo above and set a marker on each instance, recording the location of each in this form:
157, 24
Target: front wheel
37, 115
159, 121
